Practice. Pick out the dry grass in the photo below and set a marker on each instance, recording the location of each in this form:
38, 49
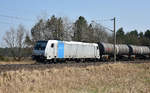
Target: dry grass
112, 78
17, 62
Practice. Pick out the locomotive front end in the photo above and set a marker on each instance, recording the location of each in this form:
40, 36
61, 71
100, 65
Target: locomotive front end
39, 50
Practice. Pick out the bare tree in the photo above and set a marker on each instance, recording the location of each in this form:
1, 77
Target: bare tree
68, 31
9, 38
38, 31
100, 33
20, 40
14, 40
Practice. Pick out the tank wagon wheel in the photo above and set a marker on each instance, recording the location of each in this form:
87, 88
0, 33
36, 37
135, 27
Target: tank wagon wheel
132, 58
77, 60
81, 60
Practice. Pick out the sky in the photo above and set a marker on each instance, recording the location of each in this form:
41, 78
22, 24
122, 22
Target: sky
130, 14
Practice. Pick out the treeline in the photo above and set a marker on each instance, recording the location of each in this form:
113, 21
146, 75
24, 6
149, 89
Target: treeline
133, 37
57, 28
20, 43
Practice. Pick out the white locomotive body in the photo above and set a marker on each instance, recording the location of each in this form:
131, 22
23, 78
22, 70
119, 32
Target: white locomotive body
55, 49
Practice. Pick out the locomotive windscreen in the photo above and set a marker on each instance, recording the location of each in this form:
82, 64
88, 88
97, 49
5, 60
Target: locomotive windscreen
40, 45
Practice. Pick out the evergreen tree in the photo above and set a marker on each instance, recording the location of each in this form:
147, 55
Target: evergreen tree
37, 31
132, 38
55, 28
80, 28
120, 36
147, 34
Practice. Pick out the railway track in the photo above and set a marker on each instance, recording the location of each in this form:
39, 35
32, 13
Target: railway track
15, 67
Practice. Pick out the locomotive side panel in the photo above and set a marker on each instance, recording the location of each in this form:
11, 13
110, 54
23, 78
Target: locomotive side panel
80, 50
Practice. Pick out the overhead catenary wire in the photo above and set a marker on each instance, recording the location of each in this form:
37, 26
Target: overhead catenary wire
108, 29
105, 27
102, 20
16, 17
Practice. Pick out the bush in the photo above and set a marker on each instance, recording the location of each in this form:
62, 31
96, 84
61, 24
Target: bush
2, 58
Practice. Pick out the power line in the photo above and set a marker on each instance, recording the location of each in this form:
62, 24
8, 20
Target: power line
15, 17
105, 27
108, 28
101, 20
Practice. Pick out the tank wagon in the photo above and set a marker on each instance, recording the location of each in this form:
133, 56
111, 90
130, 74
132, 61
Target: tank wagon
123, 51
139, 51
106, 51
53, 50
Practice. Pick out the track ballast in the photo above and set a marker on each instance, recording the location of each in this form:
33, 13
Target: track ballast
15, 67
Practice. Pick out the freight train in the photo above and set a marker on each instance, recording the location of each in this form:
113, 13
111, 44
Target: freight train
60, 51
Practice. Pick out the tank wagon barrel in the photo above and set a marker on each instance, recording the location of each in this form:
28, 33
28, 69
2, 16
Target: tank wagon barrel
122, 49
139, 50
106, 48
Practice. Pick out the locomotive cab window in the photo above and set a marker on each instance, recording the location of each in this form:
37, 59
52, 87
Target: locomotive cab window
40, 45
52, 45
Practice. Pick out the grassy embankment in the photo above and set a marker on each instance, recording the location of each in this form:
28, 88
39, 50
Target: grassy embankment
111, 78
10, 60
17, 62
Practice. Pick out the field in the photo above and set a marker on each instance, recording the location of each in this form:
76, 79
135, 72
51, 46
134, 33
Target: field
17, 62
106, 78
